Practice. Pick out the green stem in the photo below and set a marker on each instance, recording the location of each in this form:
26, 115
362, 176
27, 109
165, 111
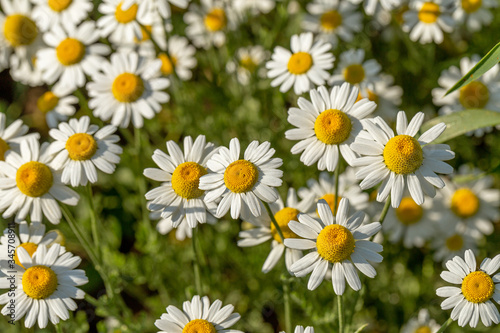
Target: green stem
385, 210
445, 325
93, 220
273, 220
196, 264
286, 300
82, 100
337, 175
340, 305
58, 328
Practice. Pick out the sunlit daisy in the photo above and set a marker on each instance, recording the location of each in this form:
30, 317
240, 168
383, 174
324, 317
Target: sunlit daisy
341, 241
254, 7
354, 70
386, 95
400, 160
427, 19
199, 315
65, 12
11, 136
127, 90
30, 186
300, 329
179, 58
46, 286
478, 287
452, 241
475, 13
333, 19
266, 231
327, 125
241, 183
180, 196
248, 61
57, 105
305, 67
422, 324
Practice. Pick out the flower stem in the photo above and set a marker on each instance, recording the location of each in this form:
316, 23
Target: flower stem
340, 306
93, 220
385, 210
445, 325
337, 175
273, 220
58, 328
196, 264
286, 301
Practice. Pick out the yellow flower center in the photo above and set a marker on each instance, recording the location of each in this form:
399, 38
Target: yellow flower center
19, 30
34, 179
464, 203
127, 87
284, 216
167, 63
478, 287
403, 154
29, 247
186, 179
330, 200
470, 6
354, 73
474, 95
330, 20
59, 5
248, 64
240, 176
4, 146
332, 127
409, 212
335, 243
429, 12
47, 102
126, 16
372, 96
81, 146
199, 326
39, 282
423, 329
216, 19
300, 63
70, 51
455, 242
146, 32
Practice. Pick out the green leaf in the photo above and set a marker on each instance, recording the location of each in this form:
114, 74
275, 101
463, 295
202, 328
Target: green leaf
485, 64
459, 123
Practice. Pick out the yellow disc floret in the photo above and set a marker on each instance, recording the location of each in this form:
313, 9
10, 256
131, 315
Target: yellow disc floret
332, 127
335, 243
474, 95
167, 63
59, 5
330, 20
19, 30
47, 102
39, 282
215, 20
127, 87
300, 63
471, 6
4, 146
34, 179
455, 242
423, 329
284, 216
240, 176
70, 51
403, 154
478, 287
81, 146
199, 326
330, 200
409, 212
186, 179
248, 64
354, 73
29, 247
464, 203
372, 96
126, 16
429, 12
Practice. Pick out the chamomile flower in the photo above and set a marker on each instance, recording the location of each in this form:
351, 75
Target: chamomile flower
423, 323
248, 61
340, 241
72, 54
266, 231
241, 183
254, 6
179, 58
57, 105
328, 125
162, 8
333, 20
300, 329
400, 160
452, 241
144, 46
183, 230
372, 6
386, 95
127, 89
30, 186
67, 13
25, 71
180, 196
199, 315
11, 136
80, 149
477, 288
305, 67
475, 13
354, 70
46, 286
427, 19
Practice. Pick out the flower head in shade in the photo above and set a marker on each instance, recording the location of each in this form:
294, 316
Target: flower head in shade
179, 58
478, 289
300, 329
11, 136
475, 13
340, 241
353, 69
421, 324
242, 183
247, 63
57, 105
65, 12
254, 7
451, 241
386, 95
199, 316
162, 8
400, 161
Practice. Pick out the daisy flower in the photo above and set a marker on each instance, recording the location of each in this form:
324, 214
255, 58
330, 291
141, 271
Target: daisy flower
127, 89
423, 323
180, 196
372, 6
242, 182
353, 69
478, 287
11, 136
57, 105
340, 241
183, 230
249, 60
428, 19
161, 7
254, 6
452, 241
31, 186
65, 12
266, 231
144, 46
475, 13
179, 58
483, 93
80, 149
24, 71
333, 19
401, 159
328, 125
46, 286
386, 95
300, 329
305, 67
199, 315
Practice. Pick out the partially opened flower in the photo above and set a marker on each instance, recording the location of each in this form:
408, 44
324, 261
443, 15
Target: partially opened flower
421, 324
300, 329
57, 105
11, 136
